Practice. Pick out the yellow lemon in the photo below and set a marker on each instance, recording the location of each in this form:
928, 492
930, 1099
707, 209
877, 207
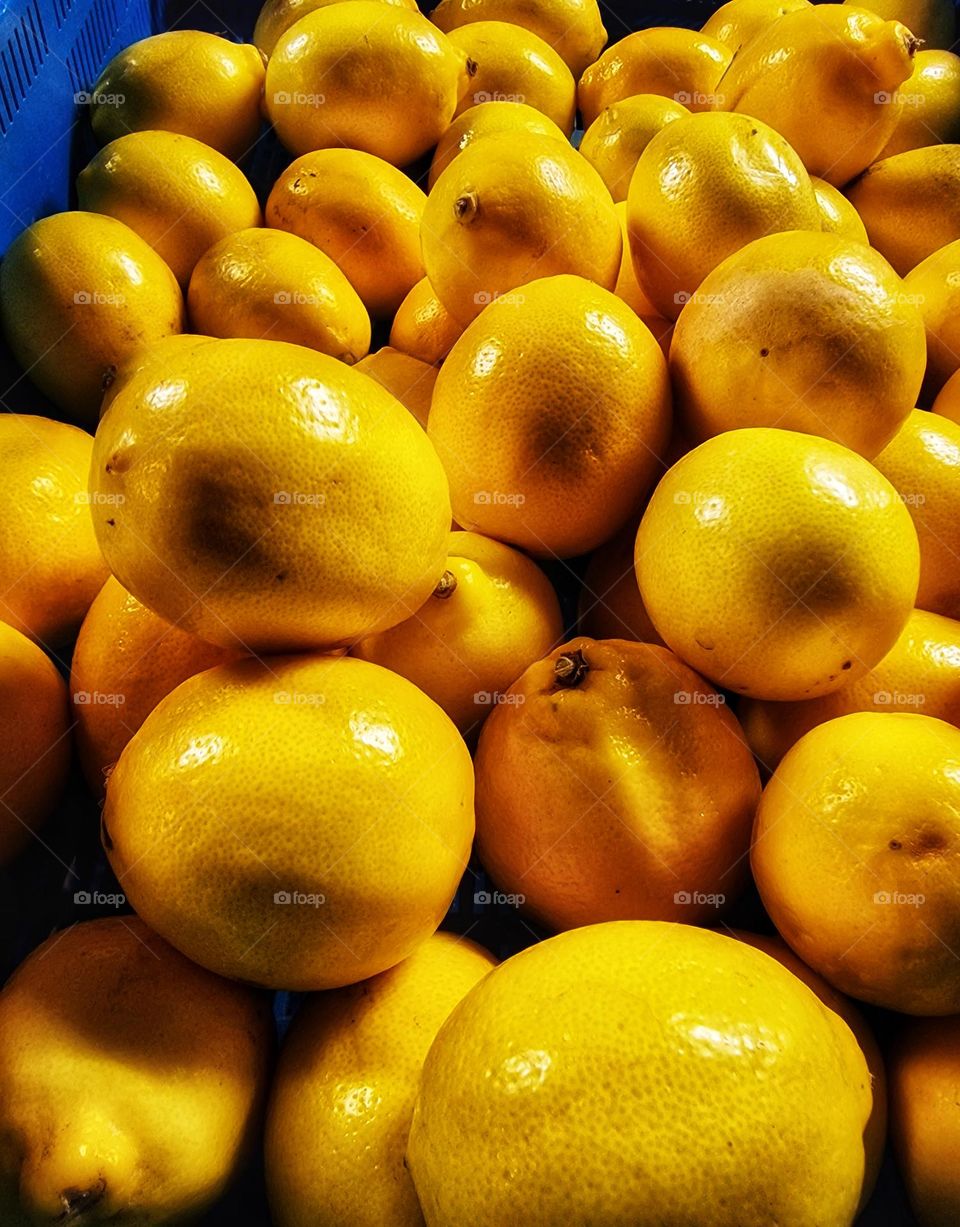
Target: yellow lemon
367, 75
277, 16
618, 136
610, 1075
179, 195
345, 1087
508, 62
629, 289
268, 283
549, 415
777, 564
126, 660
141, 1111
925, 1116
825, 77
614, 784
803, 331
934, 21
930, 113
855, 834
610, 605
934, 285
922, 461
737, 21
361, 212
704, 187
51, 567
505, 213
80, 293
408, 379
573, 28
947, 403
183, 81
152, 357
920, 673
837, 214
222, 849
679, 64
422, 326
265, 496
34, 739
910, 203
492, 614
495, 117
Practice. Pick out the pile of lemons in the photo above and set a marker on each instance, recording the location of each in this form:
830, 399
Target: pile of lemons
307, 458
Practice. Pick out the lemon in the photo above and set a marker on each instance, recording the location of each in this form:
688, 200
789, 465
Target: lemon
934, 285
277, 16
618, 136
34, 739
508, 62
125, 661
408, 379
184, 81
268, 283
80, 293
837, 214
925, 1120
610, 605
504, 213
679, 64
947, 403
152, 357
737, 21
922, 461
179, 195
494, 117
930, 20
344, 1091
141, 1111
361, 212
921, 673
51, 567
704, 187
826, 78
264, 496
367, 75
910, 203
573, 28
803, 331
422, 326
777, 564
492, 614
549, 414
303, 888
629, 289
610, 1075
614, 784
931, 104
855, 833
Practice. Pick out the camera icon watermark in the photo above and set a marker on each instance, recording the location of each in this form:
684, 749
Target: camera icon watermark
298, 898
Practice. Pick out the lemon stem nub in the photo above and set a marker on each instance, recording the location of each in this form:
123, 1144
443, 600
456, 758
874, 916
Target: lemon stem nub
77, 1201
465, 207
446, 586
570, 669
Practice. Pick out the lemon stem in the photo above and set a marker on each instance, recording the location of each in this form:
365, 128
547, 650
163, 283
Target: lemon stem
446, 586
570, 669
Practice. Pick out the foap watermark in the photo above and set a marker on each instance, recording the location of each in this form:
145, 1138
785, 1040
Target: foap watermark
298, 498
699, 898
898, 698
484, 898
499, 498
698, 98
295, 298
699, 698
513, 298
87, 98
96, 498
99, 698
495, 95
298, 898
895, 97
298, 98
96, 298
299, 698
493, 698
99, 898
898, 898
682, 297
